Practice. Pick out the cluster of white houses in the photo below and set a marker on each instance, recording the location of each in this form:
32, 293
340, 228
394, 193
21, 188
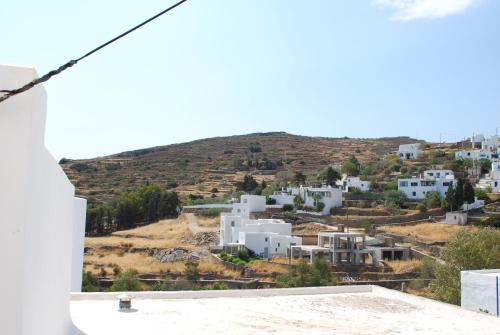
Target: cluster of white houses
432, 181
330, 196
269, 238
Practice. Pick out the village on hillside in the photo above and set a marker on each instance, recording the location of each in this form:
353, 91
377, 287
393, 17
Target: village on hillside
386, 221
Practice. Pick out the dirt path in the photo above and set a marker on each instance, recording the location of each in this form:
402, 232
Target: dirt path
194, 227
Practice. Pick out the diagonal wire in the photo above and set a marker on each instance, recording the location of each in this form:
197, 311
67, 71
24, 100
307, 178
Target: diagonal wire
31, 84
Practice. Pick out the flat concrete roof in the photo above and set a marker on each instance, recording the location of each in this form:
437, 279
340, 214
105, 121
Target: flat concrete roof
489, 272
323, 310
339, 234
310, 247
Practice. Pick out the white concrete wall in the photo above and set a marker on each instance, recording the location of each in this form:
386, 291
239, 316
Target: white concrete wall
449, 174
409, 151
36, 217
456, 218
480, 291
473, 154
283, 199
78, 243
415, 191
495, 170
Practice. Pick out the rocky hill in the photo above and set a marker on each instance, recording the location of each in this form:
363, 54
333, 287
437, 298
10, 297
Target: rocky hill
201, 166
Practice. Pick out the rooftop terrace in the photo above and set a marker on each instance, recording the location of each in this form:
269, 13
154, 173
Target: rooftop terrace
326, 310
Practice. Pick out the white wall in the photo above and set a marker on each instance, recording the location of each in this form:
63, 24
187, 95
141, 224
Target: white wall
473, 154
37, 217
79, 214
480, 290
283, 199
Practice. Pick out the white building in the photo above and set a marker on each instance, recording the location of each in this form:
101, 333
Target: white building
330, 196
436, 174
42, 224
480, 291
495, 170
494, 179
473, 154
490, 143
249, 204
265, 237
409, 151
417, 188
353, 182
456, 218
477, 140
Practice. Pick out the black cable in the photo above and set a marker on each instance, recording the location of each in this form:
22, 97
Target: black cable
11, 93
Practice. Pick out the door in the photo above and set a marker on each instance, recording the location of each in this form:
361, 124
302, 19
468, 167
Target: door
266, 252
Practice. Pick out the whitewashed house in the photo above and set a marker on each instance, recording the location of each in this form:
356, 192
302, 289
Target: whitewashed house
477, 140
473, 154
249, 204
353, 182
493, 180
490, 143
330, 196
265, 237
409, 151
417, 188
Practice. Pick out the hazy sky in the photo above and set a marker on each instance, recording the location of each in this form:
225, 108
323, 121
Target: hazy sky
357, 68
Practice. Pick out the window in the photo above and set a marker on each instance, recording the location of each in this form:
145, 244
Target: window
239, 210
245, 201
232, 223
431, 174
403, 184
414, 194
265, 239
275, 249
446, 183
279, 244
496, 184
413, 183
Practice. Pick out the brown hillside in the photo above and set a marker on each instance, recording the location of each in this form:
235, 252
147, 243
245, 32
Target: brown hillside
199, 166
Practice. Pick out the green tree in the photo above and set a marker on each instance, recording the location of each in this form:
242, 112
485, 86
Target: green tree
299, 178
450, 198
126, 281
331, 176
351, 167
469, 195
248, 184
466, 250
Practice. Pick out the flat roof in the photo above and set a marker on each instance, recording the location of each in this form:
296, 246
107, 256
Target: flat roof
339, 234
489, 272
310, 248
321, 310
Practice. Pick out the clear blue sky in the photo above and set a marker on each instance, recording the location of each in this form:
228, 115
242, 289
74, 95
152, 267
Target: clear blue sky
364, 68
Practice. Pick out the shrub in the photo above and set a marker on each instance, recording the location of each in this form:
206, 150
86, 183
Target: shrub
126, 281
90, 283
395, 199
287, 208
192, 272
214, 190
422, 207
432, 200
270, 201
303, 275
466, 250
319, 206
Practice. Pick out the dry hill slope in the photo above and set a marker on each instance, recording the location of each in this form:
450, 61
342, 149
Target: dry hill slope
200, 166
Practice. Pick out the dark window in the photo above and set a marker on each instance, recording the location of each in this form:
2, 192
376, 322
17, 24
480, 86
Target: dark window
414, 184
279, 244
414, 194
265, 239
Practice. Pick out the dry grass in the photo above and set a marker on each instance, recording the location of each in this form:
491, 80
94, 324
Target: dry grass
411, 265
146, 264
309, 228
264, 267
208, 222
164, 234
426, 232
